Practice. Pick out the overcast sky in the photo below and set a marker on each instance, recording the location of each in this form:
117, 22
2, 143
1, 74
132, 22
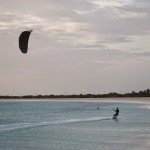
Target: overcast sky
77, 46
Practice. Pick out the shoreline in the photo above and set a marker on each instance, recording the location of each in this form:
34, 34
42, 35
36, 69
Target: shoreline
129, 99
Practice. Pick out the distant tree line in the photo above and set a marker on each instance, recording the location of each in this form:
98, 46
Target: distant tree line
145, 93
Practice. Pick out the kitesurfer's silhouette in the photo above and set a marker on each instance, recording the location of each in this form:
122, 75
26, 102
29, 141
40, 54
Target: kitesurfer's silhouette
116, 113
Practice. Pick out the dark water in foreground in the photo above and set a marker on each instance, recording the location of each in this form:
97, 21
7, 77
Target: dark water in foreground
73, 125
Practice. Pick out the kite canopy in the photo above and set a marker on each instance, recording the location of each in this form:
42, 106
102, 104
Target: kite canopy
23, 41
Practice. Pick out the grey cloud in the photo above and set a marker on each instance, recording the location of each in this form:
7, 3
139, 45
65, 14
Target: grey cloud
117, 39
142, 54
101, 55
108, 22
102, 23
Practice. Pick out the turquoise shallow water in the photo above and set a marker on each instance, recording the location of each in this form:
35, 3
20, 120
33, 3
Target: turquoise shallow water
73, 125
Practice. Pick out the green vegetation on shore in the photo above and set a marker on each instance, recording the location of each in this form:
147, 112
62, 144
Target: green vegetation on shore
145, 93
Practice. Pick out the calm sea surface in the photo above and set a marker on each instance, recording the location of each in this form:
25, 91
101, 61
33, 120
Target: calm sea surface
74, 125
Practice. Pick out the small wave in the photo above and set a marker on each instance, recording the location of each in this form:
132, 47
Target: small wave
16, 126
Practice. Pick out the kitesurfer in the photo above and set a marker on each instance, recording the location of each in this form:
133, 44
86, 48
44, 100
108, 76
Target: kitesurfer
116, 113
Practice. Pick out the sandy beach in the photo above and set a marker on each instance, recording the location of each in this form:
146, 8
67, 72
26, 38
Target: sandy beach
129, 99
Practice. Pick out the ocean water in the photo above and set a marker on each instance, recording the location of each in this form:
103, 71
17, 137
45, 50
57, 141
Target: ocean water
74, 125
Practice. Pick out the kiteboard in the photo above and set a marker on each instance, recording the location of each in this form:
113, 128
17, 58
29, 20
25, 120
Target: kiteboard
114, 117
